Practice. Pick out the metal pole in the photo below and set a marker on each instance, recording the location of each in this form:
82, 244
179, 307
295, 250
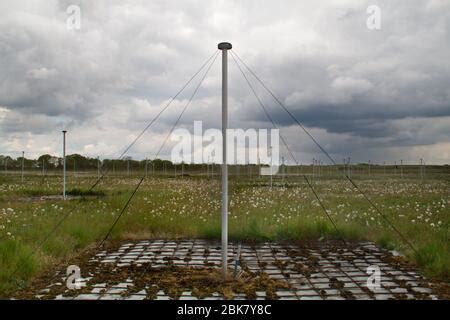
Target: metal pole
313, 162
271, 166
23, 158
421, 169
401, 168
64, 164
224, 46
424, 169
349, 168
146, 168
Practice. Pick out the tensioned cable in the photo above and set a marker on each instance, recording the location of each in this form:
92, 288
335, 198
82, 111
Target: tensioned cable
263, 107
287, 147
167, 137
323, 207
176, 123
143, 177
59, 223
282, 105
214, 55
122, 212
405, 240
187, 104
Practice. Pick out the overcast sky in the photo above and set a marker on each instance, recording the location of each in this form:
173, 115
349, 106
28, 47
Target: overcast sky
379, 95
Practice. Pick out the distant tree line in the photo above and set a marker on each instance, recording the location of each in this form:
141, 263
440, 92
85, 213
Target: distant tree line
79, 162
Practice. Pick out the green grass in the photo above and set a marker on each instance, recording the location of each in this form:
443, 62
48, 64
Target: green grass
165, 207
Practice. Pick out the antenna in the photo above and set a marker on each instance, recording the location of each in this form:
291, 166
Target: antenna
64, 164
224, 46
23, 158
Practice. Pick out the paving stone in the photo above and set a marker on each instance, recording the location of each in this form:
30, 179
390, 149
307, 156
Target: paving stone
285, 293
111, 297
334, 297
384, 296
306, 293
61, 297
87, 296
399, 290
422, 290
311, 298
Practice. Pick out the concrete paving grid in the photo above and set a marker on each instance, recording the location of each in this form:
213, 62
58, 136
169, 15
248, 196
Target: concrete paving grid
346, 267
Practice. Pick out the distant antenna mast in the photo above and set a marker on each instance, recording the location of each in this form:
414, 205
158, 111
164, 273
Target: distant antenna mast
64, 164
224, 46
23, 158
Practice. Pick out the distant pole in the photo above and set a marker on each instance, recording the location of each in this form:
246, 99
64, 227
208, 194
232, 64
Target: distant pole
259, 164
395, 168
43, 167
421, 168
313, 162
248, 168
349, 167
271, 166
224, 46
98, 168
401, 168
424, 169
23, 158
146, 168
6, 164
64, 164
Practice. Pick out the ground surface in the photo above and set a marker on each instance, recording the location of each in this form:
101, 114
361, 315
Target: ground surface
184, 269
38, 230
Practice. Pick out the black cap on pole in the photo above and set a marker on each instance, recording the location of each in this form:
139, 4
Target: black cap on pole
224, 46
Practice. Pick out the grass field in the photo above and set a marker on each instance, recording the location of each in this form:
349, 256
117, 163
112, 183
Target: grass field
189, 206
